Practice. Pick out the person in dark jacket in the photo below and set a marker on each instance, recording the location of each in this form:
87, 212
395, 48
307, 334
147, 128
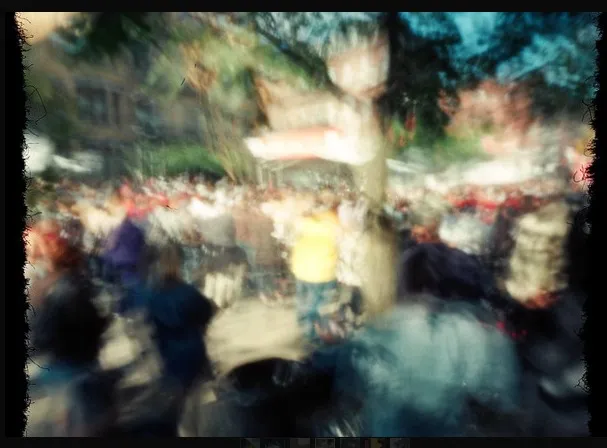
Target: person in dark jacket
179, 315
445, 272
70, 395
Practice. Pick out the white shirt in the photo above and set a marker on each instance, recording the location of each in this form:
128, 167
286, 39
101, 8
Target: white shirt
201, 210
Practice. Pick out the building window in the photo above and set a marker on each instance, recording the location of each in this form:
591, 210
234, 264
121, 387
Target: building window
93, 105
145, 115
116, 108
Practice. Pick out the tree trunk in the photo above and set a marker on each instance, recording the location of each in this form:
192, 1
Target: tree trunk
371, 177
378, 281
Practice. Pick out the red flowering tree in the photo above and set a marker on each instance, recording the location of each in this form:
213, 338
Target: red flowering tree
499, 114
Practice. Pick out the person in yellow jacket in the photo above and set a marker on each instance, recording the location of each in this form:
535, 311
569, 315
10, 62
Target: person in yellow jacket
314, 260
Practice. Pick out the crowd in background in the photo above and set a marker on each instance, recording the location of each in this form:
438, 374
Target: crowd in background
494, 274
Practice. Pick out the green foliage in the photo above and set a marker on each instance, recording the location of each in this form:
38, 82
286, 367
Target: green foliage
164, 79
439, 150
95, 35
299, 38
51, 110
552, 52
171, 160
234, 54
451, 150
398, 136
290, 46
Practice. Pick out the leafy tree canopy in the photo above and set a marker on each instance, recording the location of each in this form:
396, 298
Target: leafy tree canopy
552, 52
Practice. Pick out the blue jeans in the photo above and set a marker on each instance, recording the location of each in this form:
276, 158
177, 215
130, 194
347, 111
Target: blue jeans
310, 298
262, 278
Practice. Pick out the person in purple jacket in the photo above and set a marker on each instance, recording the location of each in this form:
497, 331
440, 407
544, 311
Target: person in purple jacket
125, 246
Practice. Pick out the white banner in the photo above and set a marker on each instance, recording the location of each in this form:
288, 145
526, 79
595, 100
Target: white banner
323, 143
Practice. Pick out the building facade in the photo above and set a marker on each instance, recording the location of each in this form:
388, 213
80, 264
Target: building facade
111, 110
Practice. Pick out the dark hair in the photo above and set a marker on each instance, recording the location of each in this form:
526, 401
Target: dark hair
164, 263
67, 325
436, 269
70, 258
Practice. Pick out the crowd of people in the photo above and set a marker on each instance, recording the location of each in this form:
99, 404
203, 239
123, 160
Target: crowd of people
428, 315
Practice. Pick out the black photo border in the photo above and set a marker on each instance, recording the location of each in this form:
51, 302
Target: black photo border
16, 329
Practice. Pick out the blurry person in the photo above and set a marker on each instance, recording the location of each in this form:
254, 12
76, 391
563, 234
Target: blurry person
314, 261
550, 311
178, 313
466, 232
70, 397
415, 370
193, 255
249, 401
125, 245
552, 357
171, 217
97, 225
453, 275
266, 257
352, 216
502, 239
52, 255
425, 234
411, 372
243, 236
38, 238
224, 270
444, 272
178, 316
537, 265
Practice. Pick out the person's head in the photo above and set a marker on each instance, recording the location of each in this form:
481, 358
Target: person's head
443, 272
65, 206
51, 245
115, 205
424, 234
333, 205
67, 326
66, 256
165, 263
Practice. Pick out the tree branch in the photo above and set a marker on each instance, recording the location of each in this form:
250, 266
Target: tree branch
303, 61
